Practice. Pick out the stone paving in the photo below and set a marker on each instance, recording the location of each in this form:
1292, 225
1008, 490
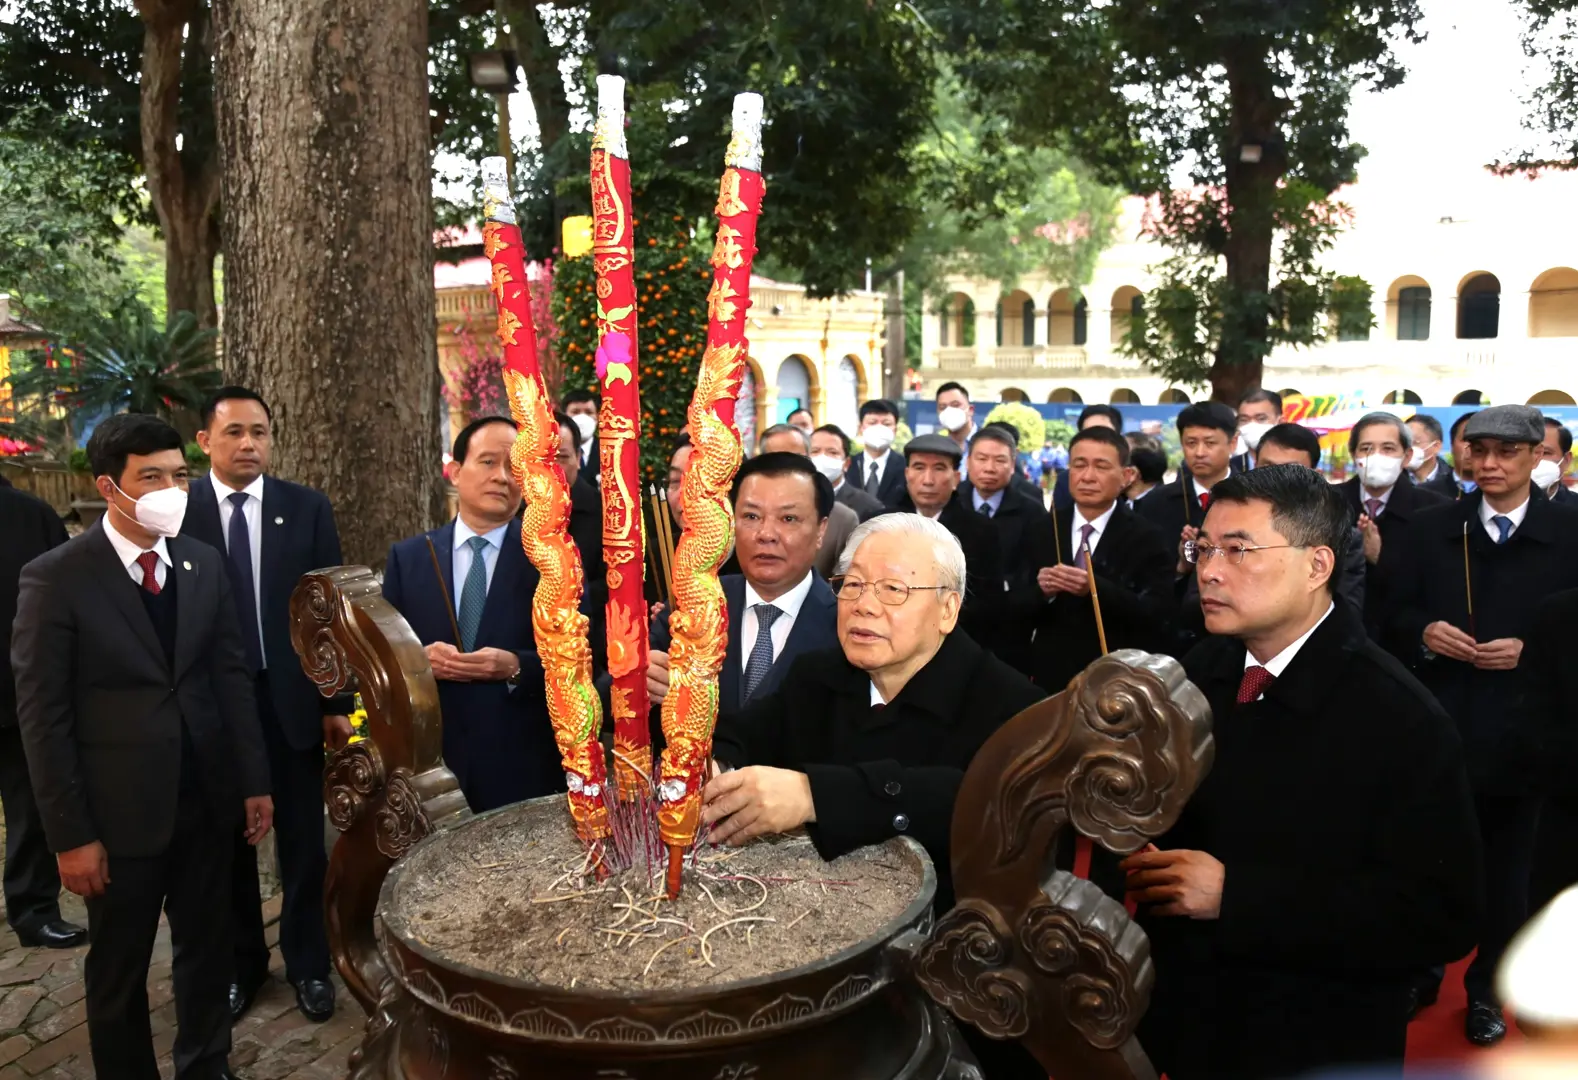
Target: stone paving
43, 1033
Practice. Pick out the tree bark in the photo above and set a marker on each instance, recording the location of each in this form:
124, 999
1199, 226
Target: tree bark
328, 229
183, 181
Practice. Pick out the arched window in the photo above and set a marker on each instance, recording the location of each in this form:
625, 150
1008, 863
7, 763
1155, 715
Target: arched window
843, 395
1553, 304
1408, 309
1128, 304
1552, 397
1173, 396
1065, 395
1478, 306
1470, 397
1067, 318
957, 317
1124, 396
1013, 393
1016, 319
1402, 397
794, 388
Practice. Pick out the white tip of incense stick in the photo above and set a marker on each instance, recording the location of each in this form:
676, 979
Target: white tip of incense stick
609, 134
745, 143
496, 202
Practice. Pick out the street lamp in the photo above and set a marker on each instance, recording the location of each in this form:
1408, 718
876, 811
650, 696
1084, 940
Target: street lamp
493, 72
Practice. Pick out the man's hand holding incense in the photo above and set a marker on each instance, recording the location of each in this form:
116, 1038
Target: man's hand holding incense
483, 665
1063, 579
1444, 639
756, 800
1499, 655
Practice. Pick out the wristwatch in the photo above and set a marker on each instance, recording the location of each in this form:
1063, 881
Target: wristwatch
514, 680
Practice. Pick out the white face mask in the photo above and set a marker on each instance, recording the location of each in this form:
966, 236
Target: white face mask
1379, 471
877, 437
1252, 434
952, 418
160, 512
1416, 459
1546, 473
829, 466
586, 425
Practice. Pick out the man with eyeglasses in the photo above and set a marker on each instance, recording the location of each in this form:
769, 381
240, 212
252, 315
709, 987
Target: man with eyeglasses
1332, 849
869, 740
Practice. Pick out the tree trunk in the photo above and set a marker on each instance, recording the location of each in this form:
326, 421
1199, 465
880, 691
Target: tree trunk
183, 181
328, 227
1251, 196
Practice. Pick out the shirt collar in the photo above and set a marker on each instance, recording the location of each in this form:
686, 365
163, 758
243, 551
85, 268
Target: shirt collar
464, 532
876, 459
223, 491
876, 696
995, 500
1279, 663
127, 551
1099, 522
1486, 512
789, 603
1385, 496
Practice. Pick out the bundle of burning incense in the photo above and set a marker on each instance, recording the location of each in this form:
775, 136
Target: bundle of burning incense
618, 426
559, 626
699, 623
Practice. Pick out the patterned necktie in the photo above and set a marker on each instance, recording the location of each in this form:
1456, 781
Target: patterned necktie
1503, 524
1086, 531
874, 480
473, 595
238, 541
761, 660
1373, 508
1256, 680
148, 560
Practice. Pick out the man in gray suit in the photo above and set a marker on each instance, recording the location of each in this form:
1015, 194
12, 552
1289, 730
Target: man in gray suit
136, 708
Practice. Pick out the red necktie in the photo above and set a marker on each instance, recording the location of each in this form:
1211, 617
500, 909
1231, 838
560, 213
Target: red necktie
1205, 500
1256, 679
148, 560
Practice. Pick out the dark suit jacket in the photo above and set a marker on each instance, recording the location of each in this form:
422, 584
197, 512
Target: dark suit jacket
892, 486
981, 614
1135, 571
1025, 544
1171, 506
1407, 502
1551, 686
497, 741
298, 537
1346, 873
1509, 580
28, 528
101, 709
1565, 496
876, 774
865, 506
1443, 483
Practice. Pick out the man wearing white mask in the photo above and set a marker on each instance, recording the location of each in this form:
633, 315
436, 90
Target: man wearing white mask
1424, 461
955, 415
1556, 455
878, 470
830, 454
1258, 412
581, 407
1379, 444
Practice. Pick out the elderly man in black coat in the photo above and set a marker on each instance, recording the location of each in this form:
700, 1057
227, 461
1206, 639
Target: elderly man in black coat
1331, 851
871, 740
1479, 569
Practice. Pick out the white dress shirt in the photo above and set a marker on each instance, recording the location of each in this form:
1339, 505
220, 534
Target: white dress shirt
252, 510
876, 697
1365, 495
788, 605
1279, 663
1100, 524
128, 552
1486, 512
462, 555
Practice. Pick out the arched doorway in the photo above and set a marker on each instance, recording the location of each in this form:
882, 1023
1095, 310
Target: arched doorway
1552, 397
1065, 395
1408, 398
1067, 318
748, 403
794, 388
1124, 396
1479, 306
1470, 397
1553, 304
1408, 309
1128, 304
1013, 393
1173, 396
845, 391
956, 321
1016, 319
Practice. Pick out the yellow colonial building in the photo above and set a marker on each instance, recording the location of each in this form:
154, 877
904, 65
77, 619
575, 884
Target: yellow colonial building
1475, 283
822, 355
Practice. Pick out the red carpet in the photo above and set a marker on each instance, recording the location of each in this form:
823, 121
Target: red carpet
1436, 1035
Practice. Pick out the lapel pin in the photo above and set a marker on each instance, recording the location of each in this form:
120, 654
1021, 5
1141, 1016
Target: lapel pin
279, 521
186, 565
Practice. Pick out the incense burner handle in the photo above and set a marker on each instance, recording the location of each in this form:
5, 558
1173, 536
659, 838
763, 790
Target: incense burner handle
387, 791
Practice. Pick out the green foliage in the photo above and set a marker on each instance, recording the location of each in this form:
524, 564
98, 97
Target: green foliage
195, 457
78, 461
1031, 425
1059, 431
126, 363
1550, 32
672, 279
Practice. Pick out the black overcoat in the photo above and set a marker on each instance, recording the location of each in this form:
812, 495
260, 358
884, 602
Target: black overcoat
1406, 503
1024, 544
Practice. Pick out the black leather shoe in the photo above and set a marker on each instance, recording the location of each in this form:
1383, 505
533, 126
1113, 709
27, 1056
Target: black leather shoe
1421, 998
1484, 1025
241, 995
315, 999
54, 934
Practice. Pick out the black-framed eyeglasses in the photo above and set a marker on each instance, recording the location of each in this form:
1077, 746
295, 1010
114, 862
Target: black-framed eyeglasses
889, 591
1233, 551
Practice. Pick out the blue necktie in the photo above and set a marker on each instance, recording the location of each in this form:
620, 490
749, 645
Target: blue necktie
761, 661
239, 543
473, 595
1504, 524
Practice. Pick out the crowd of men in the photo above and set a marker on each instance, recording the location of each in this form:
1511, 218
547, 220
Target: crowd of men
1391, 787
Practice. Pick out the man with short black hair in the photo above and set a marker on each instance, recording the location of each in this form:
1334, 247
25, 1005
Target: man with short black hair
1384, 505
1259, 410
830, 449
801, 418
841, 520
1556, 456
1424, 462
1024, 536
1099, 414
466, 589
135, 703
955, 414
1207, 430
272, 533
1477, 571
877, 470
581, 407
1303, 882
1462, 459
1133, 568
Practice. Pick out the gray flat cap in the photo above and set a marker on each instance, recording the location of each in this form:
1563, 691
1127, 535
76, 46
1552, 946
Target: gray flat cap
939, 444
1509, 423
